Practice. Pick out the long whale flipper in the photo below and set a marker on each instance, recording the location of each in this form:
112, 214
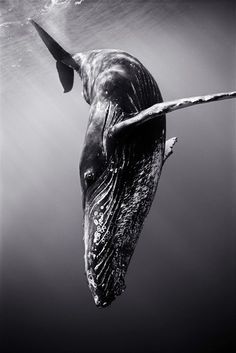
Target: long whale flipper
64, 61
159, 109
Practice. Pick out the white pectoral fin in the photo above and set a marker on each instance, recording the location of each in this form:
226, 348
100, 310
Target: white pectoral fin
157, 110
169, 147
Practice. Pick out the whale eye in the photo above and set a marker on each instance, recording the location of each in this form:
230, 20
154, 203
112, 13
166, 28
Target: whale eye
89, 177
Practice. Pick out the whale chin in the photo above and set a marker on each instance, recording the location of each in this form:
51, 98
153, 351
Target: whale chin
104, 295
106, 258
113, 221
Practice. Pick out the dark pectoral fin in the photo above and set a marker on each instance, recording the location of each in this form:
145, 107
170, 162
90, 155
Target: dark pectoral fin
66, 75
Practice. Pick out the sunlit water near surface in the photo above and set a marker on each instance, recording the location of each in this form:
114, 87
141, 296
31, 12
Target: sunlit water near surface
180, 291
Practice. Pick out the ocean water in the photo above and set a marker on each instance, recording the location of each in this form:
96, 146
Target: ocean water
180, 289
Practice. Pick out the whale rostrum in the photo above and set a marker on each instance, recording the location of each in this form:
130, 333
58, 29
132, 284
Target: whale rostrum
124, 151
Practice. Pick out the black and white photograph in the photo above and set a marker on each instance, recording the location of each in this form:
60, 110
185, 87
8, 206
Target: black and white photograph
118, 176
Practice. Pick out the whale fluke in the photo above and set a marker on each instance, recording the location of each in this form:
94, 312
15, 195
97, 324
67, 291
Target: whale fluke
65, 62
55, 49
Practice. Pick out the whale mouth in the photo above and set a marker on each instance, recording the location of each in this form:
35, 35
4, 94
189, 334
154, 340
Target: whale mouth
110, 242
106, 257
113, 218
105, 293
105, 273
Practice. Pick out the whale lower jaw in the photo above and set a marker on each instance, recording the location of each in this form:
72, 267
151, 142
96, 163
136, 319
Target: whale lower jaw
104, 298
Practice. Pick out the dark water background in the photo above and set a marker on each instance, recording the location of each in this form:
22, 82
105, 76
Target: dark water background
180, 294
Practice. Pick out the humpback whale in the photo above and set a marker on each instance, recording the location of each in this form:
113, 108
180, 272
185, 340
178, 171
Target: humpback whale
124, 151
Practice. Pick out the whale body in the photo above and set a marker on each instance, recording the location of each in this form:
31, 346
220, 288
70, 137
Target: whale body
124, 151
119, 176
